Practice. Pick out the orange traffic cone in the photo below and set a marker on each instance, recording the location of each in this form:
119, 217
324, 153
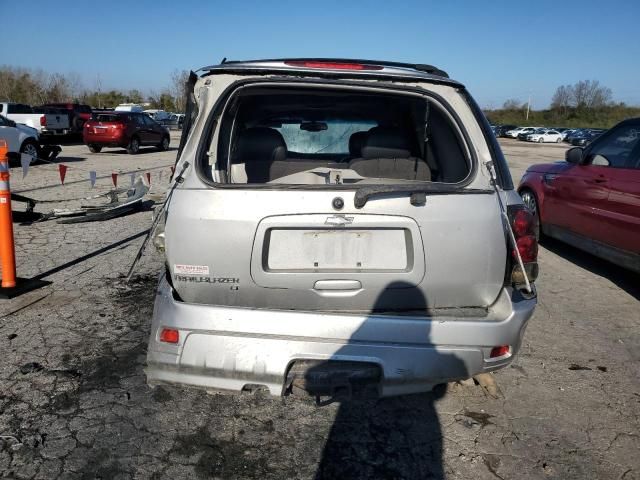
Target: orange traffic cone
10, 286
7, 248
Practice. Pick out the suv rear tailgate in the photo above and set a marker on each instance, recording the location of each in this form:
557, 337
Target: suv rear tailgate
290, 250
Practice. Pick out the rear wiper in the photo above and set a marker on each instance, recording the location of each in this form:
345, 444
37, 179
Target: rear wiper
418, 192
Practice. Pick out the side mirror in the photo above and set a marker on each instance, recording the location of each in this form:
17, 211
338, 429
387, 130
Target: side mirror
12, 123
573, 155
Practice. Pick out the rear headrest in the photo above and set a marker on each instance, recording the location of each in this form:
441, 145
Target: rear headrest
356, 142
386, 142
260, 144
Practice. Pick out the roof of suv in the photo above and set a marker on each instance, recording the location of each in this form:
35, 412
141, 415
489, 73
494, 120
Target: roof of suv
336, 66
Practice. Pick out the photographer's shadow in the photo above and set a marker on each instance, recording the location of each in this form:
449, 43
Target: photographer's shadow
395, 437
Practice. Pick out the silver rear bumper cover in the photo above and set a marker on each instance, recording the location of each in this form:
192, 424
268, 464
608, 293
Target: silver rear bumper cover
228, 348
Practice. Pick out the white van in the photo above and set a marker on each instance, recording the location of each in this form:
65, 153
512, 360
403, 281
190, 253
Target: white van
128, 107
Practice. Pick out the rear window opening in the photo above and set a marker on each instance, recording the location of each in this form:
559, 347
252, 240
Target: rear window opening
321, 136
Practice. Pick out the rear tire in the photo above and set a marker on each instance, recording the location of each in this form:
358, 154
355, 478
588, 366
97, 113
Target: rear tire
164, 145
559, 140
134, 146
530, 201
95, 148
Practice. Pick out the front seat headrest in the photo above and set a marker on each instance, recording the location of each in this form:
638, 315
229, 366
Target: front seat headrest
260, 144
386, 142
356, 142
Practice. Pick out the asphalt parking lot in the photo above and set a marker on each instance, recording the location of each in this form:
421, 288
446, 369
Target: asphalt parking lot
74, 402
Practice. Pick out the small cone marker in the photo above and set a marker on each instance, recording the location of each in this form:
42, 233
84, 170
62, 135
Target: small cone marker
25, 161
148, 175
114, 179
173, 169
62, 170
92, 178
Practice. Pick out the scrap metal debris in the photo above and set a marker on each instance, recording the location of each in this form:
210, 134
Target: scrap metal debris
121, 202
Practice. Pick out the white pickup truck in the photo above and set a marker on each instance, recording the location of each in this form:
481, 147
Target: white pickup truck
45, 123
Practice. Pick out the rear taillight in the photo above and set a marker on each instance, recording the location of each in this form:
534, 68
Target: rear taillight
169, 335
331, 65
523, 225
43, 121
501, 351
118, 126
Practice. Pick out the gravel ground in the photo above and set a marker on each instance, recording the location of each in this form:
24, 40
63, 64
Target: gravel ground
74, 402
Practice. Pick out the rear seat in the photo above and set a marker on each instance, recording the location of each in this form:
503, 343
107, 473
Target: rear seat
356, 142
258, 148
387, 154
384, 151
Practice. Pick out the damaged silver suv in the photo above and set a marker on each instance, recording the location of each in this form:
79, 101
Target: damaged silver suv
338, 228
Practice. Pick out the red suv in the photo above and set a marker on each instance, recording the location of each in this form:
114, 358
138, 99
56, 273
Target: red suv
592, 200
124, 129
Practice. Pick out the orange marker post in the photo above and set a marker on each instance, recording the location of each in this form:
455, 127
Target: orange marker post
7, 247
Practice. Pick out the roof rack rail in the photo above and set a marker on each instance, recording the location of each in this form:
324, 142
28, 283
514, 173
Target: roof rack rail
421, 67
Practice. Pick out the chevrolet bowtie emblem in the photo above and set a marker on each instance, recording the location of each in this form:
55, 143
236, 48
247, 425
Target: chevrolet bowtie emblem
338, 220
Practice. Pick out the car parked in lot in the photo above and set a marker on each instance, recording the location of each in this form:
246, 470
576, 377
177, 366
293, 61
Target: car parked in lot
20, 138
566, 132
77, 112
545, 136
172, 122
335, 229
585, 137
524, 134
575, 133
157, 115
129, 107
56, 123
130, 130
503, 129
592, 199
517, 131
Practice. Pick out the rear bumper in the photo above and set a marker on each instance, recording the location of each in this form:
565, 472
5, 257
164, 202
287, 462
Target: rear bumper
57, 131
105, 140
228, 347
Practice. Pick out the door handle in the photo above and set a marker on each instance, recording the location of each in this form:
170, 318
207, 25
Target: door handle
337, 285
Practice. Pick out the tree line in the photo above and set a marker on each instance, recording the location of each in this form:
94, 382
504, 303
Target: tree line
586, 103
37, 87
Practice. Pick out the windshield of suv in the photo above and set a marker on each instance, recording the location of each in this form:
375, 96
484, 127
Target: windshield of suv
322, 136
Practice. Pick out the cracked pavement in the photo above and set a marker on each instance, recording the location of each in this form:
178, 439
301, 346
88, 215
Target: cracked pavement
74, 401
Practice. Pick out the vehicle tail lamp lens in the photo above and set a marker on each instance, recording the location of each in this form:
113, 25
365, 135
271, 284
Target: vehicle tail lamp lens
523, 226
522, 223
528, 248
332, 65
500, 351
169, 335
43, 121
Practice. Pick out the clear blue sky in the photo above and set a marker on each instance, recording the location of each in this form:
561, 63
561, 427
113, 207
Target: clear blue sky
498, 49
